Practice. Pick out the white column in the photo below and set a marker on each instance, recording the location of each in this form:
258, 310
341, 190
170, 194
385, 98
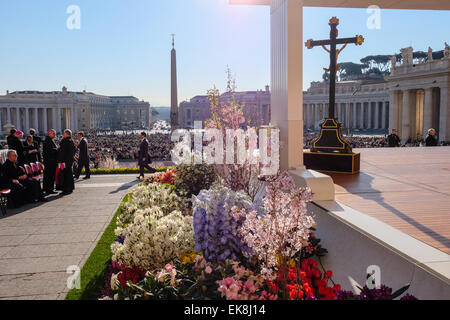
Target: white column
370, 110
384, 106
36, 119
444, 115
287, 78
316, 116
354, 116
8, 115
44, 120
394, 111
27, 120
76, 118
361, 115
1, 120
54, 117
428, 111
18, 122
377, 115
406, 116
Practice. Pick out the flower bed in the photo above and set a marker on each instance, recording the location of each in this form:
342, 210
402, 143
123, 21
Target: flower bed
224, 242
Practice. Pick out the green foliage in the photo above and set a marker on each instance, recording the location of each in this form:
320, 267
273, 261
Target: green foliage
381, 62
350, 70
122, 171
95, 269
438, 55
191, 179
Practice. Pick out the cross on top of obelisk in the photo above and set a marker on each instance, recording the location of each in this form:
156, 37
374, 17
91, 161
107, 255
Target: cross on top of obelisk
173, 40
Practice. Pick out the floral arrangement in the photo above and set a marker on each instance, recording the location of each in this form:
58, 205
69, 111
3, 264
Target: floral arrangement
191, 179
282, 231
167, 177
216, 227
158, 195
154, 239
226, 245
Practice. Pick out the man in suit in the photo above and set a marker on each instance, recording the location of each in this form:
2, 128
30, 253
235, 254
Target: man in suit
50, 162
432, 139
22, 187
83, 157
144, 157
393, 139
66, 155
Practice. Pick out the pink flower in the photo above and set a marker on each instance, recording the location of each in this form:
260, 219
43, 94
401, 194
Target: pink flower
168, 267
208, 270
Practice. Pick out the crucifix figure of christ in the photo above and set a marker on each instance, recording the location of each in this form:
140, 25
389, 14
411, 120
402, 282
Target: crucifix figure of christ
331, 139
334, 54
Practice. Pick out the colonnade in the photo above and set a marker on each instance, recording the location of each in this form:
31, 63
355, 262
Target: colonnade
355, 115
40, 118
414, 111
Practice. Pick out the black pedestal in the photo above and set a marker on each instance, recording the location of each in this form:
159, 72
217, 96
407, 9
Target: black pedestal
333, 162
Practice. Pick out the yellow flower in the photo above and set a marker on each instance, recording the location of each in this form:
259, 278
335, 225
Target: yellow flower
291, 263
188, 258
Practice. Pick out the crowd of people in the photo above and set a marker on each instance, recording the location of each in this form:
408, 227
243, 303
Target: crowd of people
377, 141
63, 160
24, 183
124, 146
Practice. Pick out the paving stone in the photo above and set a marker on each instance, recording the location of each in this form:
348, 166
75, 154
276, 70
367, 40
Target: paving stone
38, 242
46, 250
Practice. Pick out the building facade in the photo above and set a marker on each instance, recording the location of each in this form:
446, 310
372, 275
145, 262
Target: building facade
74, 110
360, 104
414, 98
256, 107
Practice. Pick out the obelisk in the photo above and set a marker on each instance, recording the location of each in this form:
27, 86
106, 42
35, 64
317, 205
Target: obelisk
174, 89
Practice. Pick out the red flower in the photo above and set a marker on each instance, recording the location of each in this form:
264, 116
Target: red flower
328, 274
317, 273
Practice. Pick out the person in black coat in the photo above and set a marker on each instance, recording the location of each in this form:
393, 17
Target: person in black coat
31, 150
16, 144
50, 154
144, 157
432, 139
38, 141
22, 187
393, 139
66, 155
83, 157
11, 137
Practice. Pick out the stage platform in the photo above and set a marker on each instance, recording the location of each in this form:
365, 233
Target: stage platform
407, 188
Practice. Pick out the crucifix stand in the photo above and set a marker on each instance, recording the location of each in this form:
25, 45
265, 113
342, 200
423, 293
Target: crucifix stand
331, 151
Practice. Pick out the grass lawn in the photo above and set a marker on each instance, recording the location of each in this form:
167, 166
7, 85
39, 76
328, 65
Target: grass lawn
96, 267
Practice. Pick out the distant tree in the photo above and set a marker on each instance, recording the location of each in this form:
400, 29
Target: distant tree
350, 70
438, 55
381, 62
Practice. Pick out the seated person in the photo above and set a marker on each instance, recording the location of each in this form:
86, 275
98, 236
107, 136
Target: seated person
22, 188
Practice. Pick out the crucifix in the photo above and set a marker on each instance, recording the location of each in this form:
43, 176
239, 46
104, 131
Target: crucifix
334, 54
331, 139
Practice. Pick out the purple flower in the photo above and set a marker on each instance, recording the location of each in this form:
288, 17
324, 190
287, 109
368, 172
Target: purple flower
408, 297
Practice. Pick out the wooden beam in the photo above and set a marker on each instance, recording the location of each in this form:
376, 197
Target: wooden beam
384, 4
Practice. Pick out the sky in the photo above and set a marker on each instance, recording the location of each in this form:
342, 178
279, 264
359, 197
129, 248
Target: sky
123, 47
